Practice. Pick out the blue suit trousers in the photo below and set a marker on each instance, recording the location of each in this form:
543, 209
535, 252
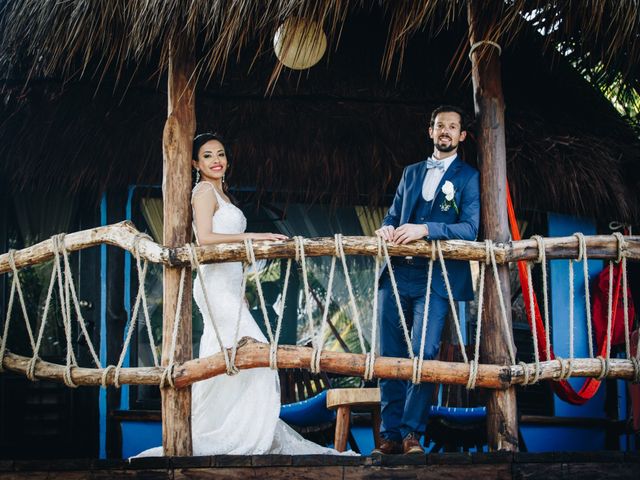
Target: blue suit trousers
405, 406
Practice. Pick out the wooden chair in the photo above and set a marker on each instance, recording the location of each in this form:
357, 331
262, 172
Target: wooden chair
345, 400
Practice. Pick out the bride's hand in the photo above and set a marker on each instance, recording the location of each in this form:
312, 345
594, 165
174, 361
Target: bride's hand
267, 236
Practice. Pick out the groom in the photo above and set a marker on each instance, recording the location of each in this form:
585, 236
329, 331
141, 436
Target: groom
437, 199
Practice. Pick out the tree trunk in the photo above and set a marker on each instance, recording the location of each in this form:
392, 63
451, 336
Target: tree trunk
176, 190
502, 423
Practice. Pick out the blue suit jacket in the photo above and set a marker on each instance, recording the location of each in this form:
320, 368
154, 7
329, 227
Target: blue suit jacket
443, 224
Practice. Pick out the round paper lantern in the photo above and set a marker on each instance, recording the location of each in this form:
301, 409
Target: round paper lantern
299, 43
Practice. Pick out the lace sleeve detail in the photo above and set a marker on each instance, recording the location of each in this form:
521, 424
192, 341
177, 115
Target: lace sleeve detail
200, 188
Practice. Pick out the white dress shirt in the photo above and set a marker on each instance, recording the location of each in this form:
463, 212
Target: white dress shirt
433, 177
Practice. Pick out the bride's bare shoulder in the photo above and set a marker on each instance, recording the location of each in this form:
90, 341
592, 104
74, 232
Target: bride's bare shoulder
202, 187
203, 196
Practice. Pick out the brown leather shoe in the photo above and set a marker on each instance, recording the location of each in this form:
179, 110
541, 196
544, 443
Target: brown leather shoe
411, 444
388, 447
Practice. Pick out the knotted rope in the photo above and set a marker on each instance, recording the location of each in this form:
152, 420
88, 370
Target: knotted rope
396, 294
319, 341
352, 298
452, 304
229, 362
370, 357
417, 361
302, 261
503, 310
63, 290
542, 260
625, 301
473, 364
15, 285
141, 299
582, 256
251, 259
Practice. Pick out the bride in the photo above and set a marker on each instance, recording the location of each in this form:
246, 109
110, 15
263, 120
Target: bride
231, 414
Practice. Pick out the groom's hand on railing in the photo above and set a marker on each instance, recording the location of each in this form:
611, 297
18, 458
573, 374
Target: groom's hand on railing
386, 232
409, 232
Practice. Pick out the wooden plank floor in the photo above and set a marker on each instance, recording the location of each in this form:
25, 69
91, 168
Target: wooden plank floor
459, 466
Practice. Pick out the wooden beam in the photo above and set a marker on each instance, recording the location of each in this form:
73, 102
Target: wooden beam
124, 234
176, 192
254, 354
502, 418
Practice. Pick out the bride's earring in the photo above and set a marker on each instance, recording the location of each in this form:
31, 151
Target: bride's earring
197, 175
223, 178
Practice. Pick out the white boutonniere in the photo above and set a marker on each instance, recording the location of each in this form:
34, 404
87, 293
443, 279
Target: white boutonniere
449, 192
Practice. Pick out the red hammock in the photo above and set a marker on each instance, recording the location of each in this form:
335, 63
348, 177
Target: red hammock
562, 388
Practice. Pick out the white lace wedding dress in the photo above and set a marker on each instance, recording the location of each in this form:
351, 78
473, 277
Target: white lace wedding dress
235, 414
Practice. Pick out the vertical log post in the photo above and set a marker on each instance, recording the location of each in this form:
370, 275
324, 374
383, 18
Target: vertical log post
176, 190
502, 423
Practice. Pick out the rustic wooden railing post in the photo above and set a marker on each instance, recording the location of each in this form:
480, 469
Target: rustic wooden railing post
502, 422
176, 189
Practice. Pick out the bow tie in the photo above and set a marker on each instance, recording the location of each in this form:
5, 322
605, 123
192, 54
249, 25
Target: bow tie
439, 164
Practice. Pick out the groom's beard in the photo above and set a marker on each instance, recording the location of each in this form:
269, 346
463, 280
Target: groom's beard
445, 148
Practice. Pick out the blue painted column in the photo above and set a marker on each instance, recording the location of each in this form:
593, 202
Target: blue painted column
102, 397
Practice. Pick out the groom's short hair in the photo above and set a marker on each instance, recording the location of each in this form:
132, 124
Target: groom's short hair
450, 108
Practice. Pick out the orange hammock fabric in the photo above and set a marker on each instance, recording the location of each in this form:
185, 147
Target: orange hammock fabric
562, 388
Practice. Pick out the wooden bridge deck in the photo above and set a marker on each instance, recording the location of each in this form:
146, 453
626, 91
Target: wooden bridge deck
546, 466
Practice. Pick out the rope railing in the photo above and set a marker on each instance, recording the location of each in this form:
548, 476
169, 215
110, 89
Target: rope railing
123, 235
248, 353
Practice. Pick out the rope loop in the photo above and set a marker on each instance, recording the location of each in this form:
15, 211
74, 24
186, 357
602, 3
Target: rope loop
273, 356
116, 376
604, 367
488, 249
379, 245
566, 368
66, 376
57, 243
485, 42
525, 372
298, 240
31, 368
369, 363
315, 360
536, 373
621, 244
11, 257
167, 376
248, 249
339, 251
105, 375
582, 246
232, 369
542, 255
193, 256
416, 373
473, 374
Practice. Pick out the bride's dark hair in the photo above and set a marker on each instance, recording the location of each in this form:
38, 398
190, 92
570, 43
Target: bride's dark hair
202, 138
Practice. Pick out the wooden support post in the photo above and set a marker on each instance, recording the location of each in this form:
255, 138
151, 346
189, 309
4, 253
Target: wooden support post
502, 422
176, 191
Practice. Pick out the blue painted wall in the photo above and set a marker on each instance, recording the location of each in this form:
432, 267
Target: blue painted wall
542, 439
139, 436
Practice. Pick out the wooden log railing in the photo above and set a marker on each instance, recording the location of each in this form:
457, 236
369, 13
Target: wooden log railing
124, 235
254, 354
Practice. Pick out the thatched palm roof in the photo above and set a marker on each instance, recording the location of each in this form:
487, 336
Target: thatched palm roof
93, 109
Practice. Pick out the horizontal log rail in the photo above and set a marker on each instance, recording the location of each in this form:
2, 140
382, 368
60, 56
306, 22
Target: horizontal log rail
124, 235
253, 354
